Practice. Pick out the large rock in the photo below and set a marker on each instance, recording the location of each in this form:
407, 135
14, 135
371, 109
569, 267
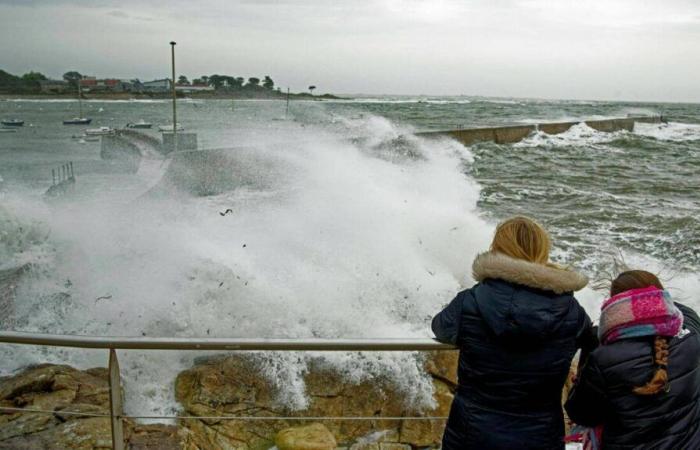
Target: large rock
442, 364
232, 386
60, 391
310, 437
225, 386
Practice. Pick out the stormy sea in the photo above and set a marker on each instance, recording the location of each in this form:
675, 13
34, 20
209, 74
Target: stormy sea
333, 219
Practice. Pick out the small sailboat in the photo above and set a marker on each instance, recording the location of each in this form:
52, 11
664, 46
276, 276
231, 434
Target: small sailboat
169, 128
80, 120
12, 122
140, 124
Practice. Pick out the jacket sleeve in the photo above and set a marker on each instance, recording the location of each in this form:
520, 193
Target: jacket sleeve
587, 402
587, 337
691, 320
446, 323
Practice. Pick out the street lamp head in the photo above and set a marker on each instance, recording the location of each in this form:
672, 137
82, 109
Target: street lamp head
172, 42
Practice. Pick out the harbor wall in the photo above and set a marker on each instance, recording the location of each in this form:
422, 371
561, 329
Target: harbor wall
121, 152
510, 134
185, 141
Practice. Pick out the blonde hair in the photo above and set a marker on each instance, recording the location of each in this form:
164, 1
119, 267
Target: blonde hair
522, 238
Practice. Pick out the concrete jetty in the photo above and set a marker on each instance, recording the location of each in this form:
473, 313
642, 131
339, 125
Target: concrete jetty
510, 134
125, 148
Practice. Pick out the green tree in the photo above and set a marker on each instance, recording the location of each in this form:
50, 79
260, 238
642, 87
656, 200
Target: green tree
33, 77
31, 80
236, 82
311, 89
72, 77
252, 81
10, 83
216, 80
182, 80
268, 83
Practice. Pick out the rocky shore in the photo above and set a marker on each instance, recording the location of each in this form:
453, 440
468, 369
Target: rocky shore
224, 386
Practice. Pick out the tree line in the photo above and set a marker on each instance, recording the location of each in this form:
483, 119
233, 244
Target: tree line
27, 83
229, 82
30, 83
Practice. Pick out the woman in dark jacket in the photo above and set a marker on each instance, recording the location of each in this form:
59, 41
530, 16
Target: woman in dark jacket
517, 330
641, 388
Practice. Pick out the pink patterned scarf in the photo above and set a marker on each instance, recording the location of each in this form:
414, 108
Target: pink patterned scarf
639, 312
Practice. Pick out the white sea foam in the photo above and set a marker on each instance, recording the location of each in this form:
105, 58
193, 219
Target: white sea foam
456, 101
672, 131
345, 240
578, 134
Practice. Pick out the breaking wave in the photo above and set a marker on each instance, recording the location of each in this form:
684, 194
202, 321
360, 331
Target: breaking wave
306, 234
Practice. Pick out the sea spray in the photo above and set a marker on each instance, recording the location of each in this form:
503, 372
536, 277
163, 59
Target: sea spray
328, 237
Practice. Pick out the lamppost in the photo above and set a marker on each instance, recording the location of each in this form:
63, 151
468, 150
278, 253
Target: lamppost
172, 52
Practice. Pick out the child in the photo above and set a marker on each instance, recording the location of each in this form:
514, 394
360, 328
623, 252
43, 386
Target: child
641, 388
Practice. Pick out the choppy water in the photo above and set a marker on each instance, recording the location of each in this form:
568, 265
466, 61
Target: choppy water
343, 223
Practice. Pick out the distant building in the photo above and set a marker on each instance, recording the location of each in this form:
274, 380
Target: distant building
54, 86
189, 88
162, 85
92, 84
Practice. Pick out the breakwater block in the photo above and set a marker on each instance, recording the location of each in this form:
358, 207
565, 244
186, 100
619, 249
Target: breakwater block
555, 128
185, 141
510, 134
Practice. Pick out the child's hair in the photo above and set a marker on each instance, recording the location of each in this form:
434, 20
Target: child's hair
636, 279
522, 238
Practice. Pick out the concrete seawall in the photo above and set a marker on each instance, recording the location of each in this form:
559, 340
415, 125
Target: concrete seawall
515, 133
125, 148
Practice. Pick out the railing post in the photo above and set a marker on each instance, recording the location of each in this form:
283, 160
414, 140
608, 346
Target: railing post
116, 410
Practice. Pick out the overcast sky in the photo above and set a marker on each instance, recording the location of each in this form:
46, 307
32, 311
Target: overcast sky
593, 49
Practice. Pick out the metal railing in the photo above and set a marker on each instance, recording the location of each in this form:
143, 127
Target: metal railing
116, 409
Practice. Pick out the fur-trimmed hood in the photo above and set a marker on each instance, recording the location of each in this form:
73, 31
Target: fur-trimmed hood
503, 267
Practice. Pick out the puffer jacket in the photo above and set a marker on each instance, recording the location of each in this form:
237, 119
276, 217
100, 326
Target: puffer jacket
517, 330
668, 420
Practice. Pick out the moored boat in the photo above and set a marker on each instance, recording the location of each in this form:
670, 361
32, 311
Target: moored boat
77, 121
12, 122
140, 124
101, 131
80, 120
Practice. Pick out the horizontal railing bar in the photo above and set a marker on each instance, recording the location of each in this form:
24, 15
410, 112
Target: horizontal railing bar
278, 418
250, 344
243, 418
48, 411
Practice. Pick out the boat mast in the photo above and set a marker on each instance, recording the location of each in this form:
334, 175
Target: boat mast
286, 111
80, 101
172, 55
